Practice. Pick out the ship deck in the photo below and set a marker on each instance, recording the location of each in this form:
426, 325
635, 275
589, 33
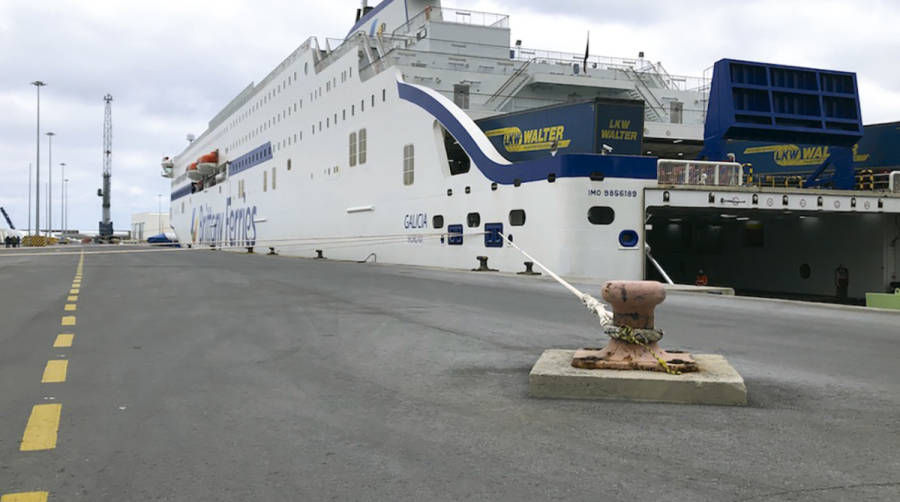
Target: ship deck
204, 375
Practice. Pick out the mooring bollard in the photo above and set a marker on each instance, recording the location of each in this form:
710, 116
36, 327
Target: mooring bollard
272, 252
633, 335
250, 250
529, 269
319, 255
483, 265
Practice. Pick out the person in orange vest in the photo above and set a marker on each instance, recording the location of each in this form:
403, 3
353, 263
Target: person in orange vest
702, 279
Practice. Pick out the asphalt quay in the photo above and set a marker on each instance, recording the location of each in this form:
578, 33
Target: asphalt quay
209, 375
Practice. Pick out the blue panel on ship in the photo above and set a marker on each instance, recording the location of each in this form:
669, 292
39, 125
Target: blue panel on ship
582, 127
767, 102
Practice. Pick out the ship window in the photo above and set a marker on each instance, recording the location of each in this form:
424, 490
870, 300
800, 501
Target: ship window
362, 146
327, 122
409, 173
373, 100
265, 181
320, 126
273, 178
295, 138
384, 95
457, 159
601, 215
473, 220
362, 105
352, 110
306, 68
517, 217
335, 119
351, 71
289, 164
352, 149
344, 114
437, 221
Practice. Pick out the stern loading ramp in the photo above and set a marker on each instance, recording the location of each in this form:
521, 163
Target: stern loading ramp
779, 241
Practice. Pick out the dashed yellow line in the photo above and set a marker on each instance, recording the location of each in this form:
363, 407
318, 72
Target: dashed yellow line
25, 497
55, 371
74, 291
64, 340
42, 428
68, 320
71, 307
72, 298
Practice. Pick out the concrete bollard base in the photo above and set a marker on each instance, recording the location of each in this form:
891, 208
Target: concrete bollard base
716, 382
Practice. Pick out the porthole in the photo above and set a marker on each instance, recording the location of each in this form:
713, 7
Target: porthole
628, 238
601, 215
473, 220
517, 217
437, 221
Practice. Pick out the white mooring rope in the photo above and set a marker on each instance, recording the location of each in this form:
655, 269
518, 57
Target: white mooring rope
594, 305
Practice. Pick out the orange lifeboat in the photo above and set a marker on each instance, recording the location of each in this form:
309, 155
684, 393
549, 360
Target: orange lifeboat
193, 173
211, 157
206, 164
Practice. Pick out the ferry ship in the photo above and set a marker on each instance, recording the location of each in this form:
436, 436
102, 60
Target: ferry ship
369, 145
426, 136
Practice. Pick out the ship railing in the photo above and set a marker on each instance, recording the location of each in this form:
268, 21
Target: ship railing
448, 15
699, 173
664, 79
878, 179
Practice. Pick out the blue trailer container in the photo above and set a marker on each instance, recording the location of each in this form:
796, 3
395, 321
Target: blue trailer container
878, 149
580, 127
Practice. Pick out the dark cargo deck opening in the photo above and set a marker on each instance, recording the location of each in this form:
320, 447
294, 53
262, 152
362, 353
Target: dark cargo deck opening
787, 254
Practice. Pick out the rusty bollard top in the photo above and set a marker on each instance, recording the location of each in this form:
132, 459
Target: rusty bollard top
633, 302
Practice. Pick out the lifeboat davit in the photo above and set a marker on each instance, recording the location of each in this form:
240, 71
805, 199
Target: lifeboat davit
168, 167
193, 173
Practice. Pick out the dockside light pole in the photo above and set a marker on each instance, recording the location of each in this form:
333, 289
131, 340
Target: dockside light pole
37, 177
29, 199
66, 205
50, 183
62, 207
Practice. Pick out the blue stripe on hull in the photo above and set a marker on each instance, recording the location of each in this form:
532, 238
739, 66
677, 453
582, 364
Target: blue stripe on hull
563, 165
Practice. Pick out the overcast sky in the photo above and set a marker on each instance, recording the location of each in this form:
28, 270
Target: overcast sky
172, 65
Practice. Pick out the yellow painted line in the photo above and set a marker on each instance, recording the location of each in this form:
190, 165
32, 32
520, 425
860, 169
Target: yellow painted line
72, 298
64, 340
71, 307
25, 497
73, 291
42, 428
68, 320
75, 284
55, 371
